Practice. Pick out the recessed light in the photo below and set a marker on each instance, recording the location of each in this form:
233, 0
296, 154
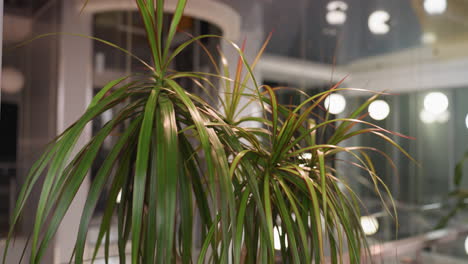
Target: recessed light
379, 109
336, 14
436, 103
378, 22
369, 225
435, 7
335, 103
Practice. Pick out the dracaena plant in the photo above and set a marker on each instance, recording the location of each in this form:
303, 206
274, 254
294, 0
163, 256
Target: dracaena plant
178, 156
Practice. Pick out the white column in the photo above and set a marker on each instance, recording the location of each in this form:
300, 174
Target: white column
73, 95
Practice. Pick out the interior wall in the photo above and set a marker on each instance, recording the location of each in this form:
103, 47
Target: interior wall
37, 113
74, 91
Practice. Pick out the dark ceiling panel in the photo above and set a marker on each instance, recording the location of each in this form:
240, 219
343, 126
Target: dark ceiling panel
25, 4
301, 30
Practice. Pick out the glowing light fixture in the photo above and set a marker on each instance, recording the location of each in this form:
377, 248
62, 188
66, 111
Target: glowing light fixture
369, 225
443, 117
466, 245
335, 103
12, 80
435, 7
379, 110
429, 38
436, 103
336, 14
429, 118
378, 22
466, 120
426, 117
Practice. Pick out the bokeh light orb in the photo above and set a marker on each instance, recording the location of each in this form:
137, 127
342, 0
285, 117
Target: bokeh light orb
379, 22
335, 103
379, 110
466, 245
435, 7
12, 80
436, 103
369, 225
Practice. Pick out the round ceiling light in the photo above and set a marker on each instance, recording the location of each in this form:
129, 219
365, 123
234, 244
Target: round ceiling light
443, 117
466, 120
336, 12
378, 22
466, 245
435, 7
369, 225
436, 103
335, 103
429, 38
429, 118
12, 80
426, 117
379, 110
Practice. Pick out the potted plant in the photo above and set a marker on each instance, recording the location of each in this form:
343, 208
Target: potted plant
178, 155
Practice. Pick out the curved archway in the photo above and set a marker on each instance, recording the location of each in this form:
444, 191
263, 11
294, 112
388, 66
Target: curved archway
217, 13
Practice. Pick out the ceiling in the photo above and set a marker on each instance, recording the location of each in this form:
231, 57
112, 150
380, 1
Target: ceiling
300, 29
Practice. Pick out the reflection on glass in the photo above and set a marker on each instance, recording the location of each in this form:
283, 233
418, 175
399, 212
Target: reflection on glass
434, 7
335, 103
429, 117
466, 120
379, 110
378, 22
336, 14
369, 225
429, 38
436, 103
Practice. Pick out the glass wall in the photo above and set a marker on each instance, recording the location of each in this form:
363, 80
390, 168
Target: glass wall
412, 50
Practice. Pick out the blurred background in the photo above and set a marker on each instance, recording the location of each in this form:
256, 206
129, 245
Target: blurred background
414, 50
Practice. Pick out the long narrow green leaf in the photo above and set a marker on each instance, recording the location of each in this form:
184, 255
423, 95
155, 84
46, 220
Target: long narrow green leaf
215, 159
141, 165
268, 210
240, 222
168, 176
97, 187
186, 212
57, 166
147, 16
206, 244
159, 32
286, 219
301, 226
177, 15
73, 184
